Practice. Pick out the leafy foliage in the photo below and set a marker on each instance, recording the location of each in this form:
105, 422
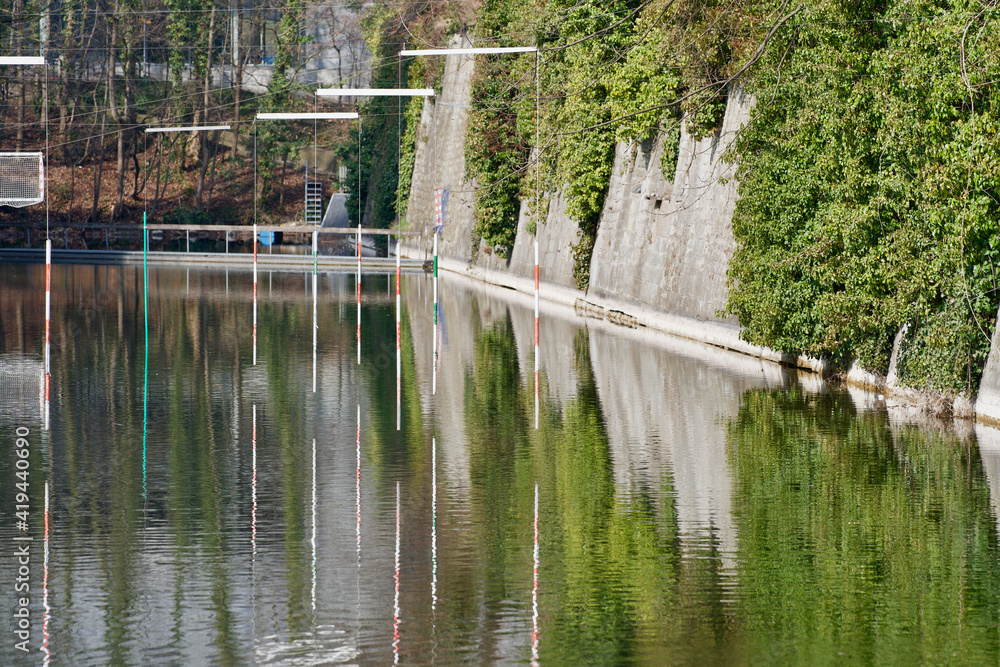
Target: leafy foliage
868, 189
609, 72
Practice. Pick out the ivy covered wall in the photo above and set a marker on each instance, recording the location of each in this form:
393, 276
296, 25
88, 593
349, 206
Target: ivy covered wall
867, 173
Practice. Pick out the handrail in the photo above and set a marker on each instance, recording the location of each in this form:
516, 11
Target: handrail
303, 229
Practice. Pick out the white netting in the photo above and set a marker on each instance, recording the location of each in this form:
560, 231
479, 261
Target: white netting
22, 179
22, 380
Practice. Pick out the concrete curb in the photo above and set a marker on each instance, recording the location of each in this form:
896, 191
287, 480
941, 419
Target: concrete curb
634, 315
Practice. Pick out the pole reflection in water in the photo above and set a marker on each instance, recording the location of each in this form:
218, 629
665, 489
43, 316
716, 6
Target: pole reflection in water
357, 488
253, 532
47, 613
395, 603
534, 590
313, 539
434, 541
357, 511
666, 541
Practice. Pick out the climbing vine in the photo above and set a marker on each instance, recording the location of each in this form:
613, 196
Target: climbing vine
868, 174
869, 181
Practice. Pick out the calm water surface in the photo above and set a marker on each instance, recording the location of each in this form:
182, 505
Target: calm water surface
693, 506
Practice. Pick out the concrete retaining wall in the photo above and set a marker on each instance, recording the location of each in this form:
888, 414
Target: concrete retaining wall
666, 243
988, 401
663, 244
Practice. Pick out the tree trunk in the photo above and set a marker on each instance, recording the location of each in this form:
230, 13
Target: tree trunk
238, 81
206, 98
19, 142
95, 209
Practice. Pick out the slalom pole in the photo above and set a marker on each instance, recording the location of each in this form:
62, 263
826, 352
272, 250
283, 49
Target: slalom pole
145, 274
315, 299
360, 215
359, 293
434, 375
255, 293
536, 333
399, 366
48, 324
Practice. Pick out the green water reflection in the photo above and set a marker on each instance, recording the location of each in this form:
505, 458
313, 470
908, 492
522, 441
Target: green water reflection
860, 541
825, 534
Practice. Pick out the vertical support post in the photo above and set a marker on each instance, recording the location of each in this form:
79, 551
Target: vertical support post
536, 332
538, 220
227, 241
399, 338
255, 293
107, 242
359, 293
48, 323
315, 301
187, 236
434, 374
145, 274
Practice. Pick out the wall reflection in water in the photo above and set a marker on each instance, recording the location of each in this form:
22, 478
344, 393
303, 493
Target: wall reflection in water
692, 505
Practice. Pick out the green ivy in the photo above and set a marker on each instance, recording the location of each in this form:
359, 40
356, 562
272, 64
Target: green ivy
869, 182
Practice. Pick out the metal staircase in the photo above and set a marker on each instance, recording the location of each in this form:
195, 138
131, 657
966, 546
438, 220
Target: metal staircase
314, 202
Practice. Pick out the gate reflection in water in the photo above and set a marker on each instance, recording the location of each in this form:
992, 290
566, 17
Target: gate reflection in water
692, 505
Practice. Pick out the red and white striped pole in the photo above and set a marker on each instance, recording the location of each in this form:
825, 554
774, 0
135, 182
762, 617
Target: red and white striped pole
255, 294
434, 376
536, 333
399, 337
359, 293
315, 301
48, 323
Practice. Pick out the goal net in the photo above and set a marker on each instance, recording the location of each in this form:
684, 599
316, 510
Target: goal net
22, 179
